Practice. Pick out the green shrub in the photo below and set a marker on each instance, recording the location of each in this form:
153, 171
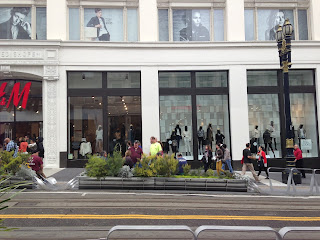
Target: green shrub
114, 163
209, 173
10, 165
156, 166
96, 167
186, 169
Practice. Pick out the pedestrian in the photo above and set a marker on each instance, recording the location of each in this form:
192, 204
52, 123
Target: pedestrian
11, 146
226, 158
298, 159
32, 146
207, 158
247, 162
155, 147
128, 160
136, 152
262, 162
23, 146
36, 164
182, 163
219, 157
40, 147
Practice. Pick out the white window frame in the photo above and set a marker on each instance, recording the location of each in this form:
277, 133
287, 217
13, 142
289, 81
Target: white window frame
199, 5
293, 5
33, 4
115, 4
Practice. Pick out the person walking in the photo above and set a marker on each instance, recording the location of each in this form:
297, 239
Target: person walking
219, 157
262, 163
247, 162
226, 158
298, 159
207, 158
11, 146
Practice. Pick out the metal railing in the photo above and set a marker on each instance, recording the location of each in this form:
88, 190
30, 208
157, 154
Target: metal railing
279, 235
291, 185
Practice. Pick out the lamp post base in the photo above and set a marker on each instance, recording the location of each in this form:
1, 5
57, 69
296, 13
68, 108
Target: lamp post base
290, 155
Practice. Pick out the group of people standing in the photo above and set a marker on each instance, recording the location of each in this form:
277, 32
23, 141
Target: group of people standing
207, 139
221, 157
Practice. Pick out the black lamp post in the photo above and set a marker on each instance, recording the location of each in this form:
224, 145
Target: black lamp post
284, 36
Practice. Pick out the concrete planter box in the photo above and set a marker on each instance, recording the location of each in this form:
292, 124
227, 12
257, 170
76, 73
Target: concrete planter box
163, 183
16, 180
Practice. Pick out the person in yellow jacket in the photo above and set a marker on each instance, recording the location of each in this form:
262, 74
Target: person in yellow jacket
155, 147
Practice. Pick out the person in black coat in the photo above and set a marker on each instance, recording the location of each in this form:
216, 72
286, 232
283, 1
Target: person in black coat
16, 27
40, 147
99, 23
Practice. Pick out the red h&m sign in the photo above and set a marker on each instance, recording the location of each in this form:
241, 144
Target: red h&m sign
15, 95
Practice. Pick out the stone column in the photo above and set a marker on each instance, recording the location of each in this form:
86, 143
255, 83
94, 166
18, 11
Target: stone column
148, 12
149, 105
235, 20
50, 116
57, 19
239, 119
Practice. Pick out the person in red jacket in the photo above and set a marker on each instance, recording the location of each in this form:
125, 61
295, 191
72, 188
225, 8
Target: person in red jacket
298, 159
262, 162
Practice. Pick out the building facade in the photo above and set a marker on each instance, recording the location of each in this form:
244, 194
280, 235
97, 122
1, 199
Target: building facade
92, 75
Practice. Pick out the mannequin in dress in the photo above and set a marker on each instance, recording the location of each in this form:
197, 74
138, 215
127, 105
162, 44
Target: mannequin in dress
178, 135
219, 137
99, 139
301, 134
272, 131
187, 140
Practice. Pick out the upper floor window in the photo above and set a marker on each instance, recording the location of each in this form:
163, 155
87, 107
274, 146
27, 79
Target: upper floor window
113, 23
262, 23
191, 24
16, 22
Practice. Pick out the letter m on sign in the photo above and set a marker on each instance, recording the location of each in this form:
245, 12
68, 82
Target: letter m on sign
16, 95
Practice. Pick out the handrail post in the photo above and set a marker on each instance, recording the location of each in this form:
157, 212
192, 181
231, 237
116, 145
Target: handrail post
271, 187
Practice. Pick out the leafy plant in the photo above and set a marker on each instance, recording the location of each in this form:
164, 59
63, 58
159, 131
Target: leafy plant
209, 172
96, 167
6, 194
186, 169
114, 163
11, 165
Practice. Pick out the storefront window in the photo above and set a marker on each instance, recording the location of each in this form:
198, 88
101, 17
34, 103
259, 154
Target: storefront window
301, 78
213, 117
20, 110
124, 117
84, 80
264, 123
174, 79
86, 126
123, 79
262, 78
303, 116
211, 79
176, 125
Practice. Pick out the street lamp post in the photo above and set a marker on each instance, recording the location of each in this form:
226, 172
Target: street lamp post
284, 36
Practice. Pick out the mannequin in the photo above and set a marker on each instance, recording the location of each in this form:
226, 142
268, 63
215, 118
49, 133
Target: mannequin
200, 139
209, 135
267, 141
178, 135
99, 139
255, 140
301, 134
187, 140
272, 131
131, 134
174, 145
219, 137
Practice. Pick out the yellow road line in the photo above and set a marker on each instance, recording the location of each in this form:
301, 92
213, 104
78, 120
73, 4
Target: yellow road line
158, 217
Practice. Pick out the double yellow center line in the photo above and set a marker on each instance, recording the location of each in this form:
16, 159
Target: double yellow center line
159, 217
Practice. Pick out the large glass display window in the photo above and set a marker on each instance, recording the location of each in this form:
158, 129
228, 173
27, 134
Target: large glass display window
267, 111
104, 112
194, 111
20, 110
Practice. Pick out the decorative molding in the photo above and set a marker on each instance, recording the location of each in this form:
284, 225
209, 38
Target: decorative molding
5, 69
21, 54
51, 72
51, 123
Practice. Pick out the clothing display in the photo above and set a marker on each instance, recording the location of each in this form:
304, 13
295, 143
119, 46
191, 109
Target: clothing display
85, 148
187, 141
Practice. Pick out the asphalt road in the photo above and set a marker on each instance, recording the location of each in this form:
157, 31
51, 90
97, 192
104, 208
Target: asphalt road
90, 214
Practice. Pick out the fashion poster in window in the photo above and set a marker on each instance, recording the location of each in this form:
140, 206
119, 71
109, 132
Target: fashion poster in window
103, 24
15, 23
269, 22
191, 25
